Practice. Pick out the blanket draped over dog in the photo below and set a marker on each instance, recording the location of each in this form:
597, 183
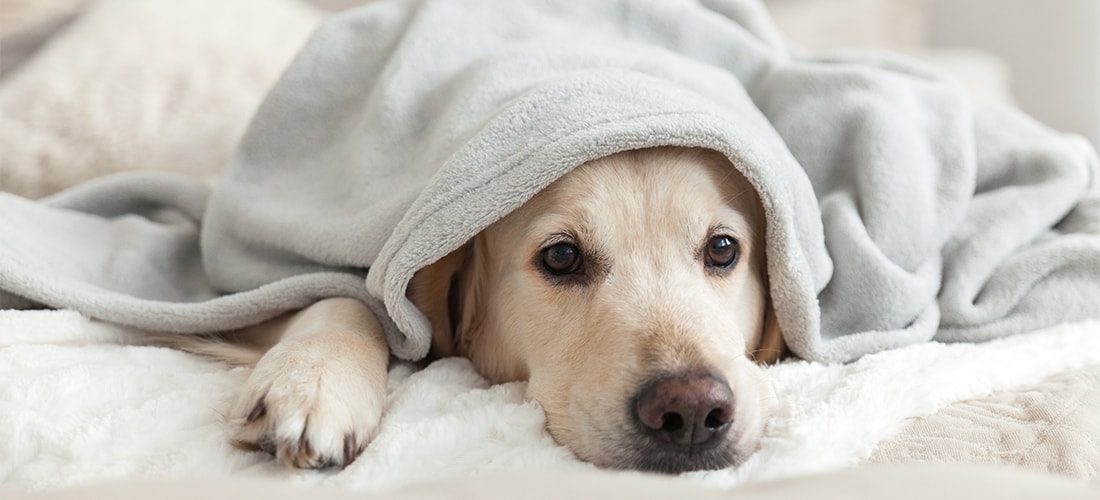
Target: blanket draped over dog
896, 213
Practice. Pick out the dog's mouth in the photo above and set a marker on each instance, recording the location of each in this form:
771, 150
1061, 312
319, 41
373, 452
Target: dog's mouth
674, 423
644, 454
635, 447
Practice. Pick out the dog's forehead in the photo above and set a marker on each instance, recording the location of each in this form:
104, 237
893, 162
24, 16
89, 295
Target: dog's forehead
634, 195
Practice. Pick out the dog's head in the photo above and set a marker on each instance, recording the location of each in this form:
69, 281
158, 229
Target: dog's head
632, 295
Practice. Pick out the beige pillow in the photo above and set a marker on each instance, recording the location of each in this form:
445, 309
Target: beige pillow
901, 26
832, 24
155, 84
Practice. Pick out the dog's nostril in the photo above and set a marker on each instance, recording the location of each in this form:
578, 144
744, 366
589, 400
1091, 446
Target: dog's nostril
717, 418
671, 422
685, 410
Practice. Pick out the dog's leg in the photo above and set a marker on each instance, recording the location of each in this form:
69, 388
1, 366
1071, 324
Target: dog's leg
316, 397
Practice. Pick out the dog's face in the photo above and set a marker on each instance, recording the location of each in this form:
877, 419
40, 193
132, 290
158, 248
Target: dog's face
631, 294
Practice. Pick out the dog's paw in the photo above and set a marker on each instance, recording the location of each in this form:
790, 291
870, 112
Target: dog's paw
308, 407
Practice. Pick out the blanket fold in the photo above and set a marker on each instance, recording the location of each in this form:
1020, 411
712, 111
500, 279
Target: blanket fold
896, 213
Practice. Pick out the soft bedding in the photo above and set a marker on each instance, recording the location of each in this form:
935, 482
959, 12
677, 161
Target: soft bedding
80, 405
1050, 426
897, 483
76, 408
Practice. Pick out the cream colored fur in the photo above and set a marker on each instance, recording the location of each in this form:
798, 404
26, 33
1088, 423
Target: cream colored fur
586, 350
315, 398
649, 307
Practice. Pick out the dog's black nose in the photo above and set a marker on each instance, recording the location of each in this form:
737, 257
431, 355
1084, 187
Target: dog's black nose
685, 411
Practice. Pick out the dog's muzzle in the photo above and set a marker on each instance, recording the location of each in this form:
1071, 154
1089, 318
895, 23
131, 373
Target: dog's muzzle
685, 421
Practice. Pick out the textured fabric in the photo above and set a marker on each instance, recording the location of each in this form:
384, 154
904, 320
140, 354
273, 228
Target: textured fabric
76, 410
403, 128
897, 483
1050, 427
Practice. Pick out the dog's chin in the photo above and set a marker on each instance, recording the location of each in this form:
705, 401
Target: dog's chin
635, 450
644, 454
648, 456
618, 441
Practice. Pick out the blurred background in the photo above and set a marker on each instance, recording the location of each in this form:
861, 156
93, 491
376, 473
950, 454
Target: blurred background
1044, 56
1041, 56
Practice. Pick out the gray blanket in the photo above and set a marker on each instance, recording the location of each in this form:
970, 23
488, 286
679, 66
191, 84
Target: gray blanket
896, 213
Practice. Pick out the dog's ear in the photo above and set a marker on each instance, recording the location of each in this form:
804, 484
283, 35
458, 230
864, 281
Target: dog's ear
448, 292
771, 347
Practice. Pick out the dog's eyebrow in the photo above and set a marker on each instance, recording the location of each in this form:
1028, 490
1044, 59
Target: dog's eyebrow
722, 227
738, 224
559, 237
729, 199
594, 254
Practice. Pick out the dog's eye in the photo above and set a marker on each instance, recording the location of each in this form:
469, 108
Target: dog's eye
722, 252
561, 259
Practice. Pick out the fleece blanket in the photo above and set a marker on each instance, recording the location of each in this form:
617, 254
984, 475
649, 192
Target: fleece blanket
896, 213
78, 406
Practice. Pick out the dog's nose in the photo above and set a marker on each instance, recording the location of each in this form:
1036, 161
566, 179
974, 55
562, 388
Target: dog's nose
686, 411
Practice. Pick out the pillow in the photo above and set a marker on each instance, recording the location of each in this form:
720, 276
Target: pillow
152, 84
831, 24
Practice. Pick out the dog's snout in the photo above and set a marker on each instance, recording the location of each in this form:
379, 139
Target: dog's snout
685, 411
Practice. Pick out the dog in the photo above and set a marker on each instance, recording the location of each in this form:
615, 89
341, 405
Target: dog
631, 294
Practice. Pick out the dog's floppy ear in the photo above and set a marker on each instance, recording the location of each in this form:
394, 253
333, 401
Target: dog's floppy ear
771, 347
448, 292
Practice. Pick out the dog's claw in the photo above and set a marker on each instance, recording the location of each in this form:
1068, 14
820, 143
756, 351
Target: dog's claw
257, 434
301, 454
257, 411
351, 448
303, 422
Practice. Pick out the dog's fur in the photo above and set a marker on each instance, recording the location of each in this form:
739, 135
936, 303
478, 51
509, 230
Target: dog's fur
611, 349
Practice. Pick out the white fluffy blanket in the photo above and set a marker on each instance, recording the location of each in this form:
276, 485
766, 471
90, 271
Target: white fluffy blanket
79, 406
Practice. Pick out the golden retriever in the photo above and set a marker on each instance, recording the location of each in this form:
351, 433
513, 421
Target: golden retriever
631, 294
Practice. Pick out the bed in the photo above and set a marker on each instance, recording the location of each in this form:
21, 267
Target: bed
80, 404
